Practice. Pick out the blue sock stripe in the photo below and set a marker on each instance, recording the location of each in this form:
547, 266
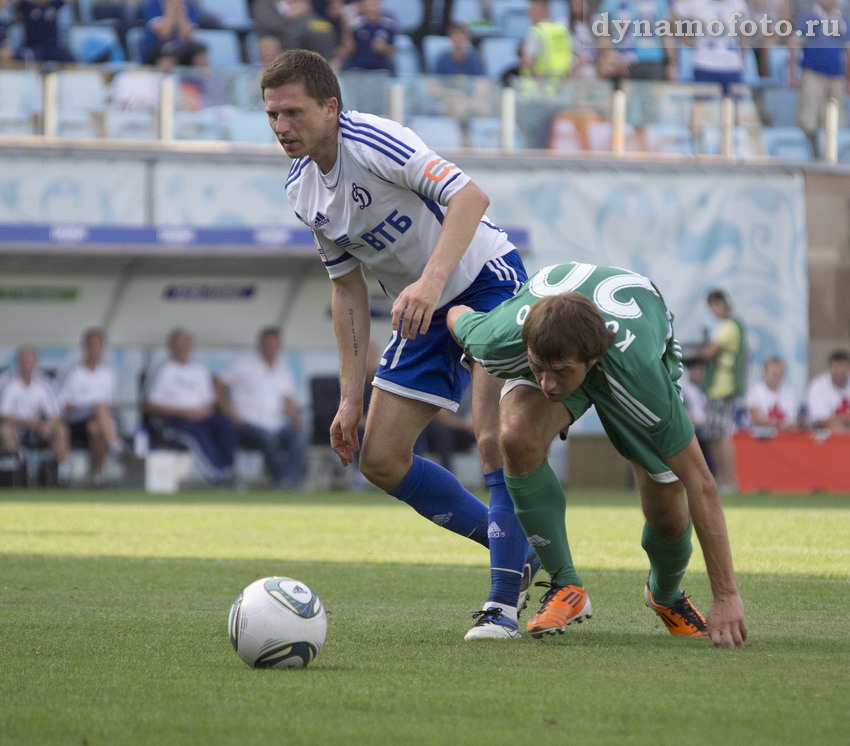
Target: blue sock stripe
494, 478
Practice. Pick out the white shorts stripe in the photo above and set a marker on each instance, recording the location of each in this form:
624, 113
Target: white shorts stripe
407, 393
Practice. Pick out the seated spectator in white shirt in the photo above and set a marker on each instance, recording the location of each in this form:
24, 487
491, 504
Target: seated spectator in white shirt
258, 393
770, 403
828, 399
29, 413
180, 399
694, 398
86, 393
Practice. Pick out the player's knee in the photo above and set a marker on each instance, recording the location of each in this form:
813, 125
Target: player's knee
488, 446
381, 469
519, 450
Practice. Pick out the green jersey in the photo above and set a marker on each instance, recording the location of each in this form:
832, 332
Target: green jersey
633, 386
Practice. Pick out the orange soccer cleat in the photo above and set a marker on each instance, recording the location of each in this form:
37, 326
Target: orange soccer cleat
561, 606
682, 618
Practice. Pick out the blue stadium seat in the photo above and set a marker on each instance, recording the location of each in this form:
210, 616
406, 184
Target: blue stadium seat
81, 97
408, 13
744, 144
499, 54
87, 43
515, 23
500, 8
787, 143
751, 70
15, 35
485, 132
432, 48
685, 63
198, 125
407, 56
467, 11
777, 58
438, 132
233, 14
20, 101
222, 46
250, 126
130, 124
252, 48
781, 105
669, 138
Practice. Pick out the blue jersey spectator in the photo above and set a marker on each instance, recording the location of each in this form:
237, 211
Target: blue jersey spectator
41, 31
372, 36
168, 28
461, 59
824, 29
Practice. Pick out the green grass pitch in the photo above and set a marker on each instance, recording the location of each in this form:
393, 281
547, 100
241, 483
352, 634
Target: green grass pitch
114, 611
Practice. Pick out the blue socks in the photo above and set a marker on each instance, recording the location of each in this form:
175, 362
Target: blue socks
435, 493
508, 545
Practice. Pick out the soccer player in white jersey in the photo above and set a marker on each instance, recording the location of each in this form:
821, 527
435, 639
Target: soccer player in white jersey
377, 197
86, 393
29, 414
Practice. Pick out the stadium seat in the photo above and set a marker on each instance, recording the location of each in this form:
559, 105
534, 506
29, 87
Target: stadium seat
485, 132
233, 14
751, 70
432, 48
89, 43
250, 126
81, 96
499, 54
781, 106
787, 143
669, 138
406, 57
408, 13
15, 35
515, 23
685, 63
501, 8
745, 143
252, 48
438, 132
198, 125
599, 137
130, 124
20, 101
222, 46
777, 58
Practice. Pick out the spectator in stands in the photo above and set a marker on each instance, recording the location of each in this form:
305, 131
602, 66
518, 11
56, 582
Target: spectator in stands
771, 403
123, 14
719, 57
369, 45
825, 64
180, 401
694, 398
41, 30
295, 25
640, 55
7, 54
29, 413
828, 399
257, 392
461, 59
584, 42
268, 47
168, 32
85, 390
766, 14
547, 51
724, 385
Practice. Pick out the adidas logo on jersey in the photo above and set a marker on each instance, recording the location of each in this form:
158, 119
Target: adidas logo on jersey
442, 519
321, 220
538, 541
494, 531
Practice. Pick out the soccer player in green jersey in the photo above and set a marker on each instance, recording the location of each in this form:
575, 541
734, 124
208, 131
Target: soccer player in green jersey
578, 335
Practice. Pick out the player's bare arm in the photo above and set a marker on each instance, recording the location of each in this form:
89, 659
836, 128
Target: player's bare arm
726, 625
416, 303
455, 312
350, 311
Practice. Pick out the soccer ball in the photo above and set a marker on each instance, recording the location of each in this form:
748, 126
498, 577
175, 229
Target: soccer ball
277, 623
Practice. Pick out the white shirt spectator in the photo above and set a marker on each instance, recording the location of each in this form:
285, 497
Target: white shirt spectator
825, 399
83, 388
181, 386
716, 53
32, 402
695, 401
780, 405
257, 391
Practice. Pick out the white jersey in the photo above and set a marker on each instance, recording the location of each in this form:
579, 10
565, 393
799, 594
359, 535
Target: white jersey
715, 51
257, 391
382, 205
82, 388
825, 399
173, 384
32, 402
780, 405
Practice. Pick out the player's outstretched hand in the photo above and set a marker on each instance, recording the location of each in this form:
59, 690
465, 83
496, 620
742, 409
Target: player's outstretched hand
415, 306
726, 625
344, 440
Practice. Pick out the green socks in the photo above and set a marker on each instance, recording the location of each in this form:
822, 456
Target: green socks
668, 560
540, 504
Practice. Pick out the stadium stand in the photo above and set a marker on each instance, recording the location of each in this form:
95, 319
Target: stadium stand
232, 14
406, 56
499, 54
407, 14
438, 131
787, 143
222, 46
432, 48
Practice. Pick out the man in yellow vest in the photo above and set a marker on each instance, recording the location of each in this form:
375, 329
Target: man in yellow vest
547, 51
